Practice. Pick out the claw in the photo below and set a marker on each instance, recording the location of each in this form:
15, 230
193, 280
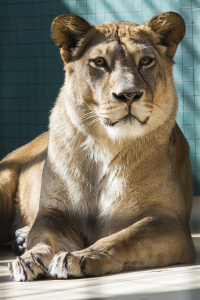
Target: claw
39, 263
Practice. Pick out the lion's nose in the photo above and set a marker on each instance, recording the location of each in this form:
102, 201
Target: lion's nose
128, 98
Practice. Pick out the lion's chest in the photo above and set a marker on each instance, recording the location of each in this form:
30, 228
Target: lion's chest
103, 197
107, 204
109, 208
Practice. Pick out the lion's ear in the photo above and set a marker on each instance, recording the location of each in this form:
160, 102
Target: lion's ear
66, 32
171, 28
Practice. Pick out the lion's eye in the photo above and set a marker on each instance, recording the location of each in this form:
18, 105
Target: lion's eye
145, 61
99, 62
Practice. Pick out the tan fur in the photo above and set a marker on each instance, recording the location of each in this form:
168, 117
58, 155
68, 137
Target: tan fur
116, 190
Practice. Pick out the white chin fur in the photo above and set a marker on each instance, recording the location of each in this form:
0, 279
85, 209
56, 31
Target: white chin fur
127, 130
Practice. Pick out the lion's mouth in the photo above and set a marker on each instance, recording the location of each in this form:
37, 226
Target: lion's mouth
129, 118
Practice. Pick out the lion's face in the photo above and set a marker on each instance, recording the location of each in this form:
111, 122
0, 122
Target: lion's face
117, 78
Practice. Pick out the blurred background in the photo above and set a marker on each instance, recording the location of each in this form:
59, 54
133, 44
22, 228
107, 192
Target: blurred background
32, 70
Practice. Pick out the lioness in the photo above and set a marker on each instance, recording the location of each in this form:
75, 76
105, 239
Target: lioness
112, 190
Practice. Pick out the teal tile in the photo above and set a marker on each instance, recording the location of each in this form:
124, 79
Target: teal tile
92, 19
37, 9
147, 15
188, 88
31, 90
81, 7
23, 117
46, 9
14, 104
197, 74
178, 74
40, 104
189, 103
188, 60
13, 90
197, 88
179, 48
91, 7
156, 6
4, 24
32, 131
197, 132
5, 117
3, 11
128, 17
188, 74
147, 5
190, 131
196, 59
12, 37
118, 17
195, 4
192, 146
12, 10
186, 3
108, 6
193, 160
128, 6
188, 32
166, 5
32, 117
23, 131
187, 45
196, 14
198, 146
109, 17
198, 182
15, 143
179, 117
178, 59
55, 9
5, 104
5, 134
137, 5
176, 4
3, 153
179, 88
180, 103
118, 6
188, 117
23, 104
14, 117
198, 178
197, 117
196, 30
100, 6
138, 18
100, 18
72, 7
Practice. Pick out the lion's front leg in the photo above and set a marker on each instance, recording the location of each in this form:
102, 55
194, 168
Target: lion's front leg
151, 242
48, 236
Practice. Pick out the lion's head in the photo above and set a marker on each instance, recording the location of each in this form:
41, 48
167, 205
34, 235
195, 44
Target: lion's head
119, 75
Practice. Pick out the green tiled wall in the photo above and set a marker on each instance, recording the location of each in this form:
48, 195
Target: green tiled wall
31, 68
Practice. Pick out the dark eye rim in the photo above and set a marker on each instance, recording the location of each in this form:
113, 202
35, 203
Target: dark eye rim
149, 63
104, 65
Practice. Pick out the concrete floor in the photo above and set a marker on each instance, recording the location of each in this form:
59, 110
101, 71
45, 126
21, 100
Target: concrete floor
172, 283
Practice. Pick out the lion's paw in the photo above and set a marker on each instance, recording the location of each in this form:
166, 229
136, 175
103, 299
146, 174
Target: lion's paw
65, 265
83, 263
19, 241
30, 266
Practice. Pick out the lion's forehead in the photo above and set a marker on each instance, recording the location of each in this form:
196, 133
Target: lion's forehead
122, 31
112, 35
